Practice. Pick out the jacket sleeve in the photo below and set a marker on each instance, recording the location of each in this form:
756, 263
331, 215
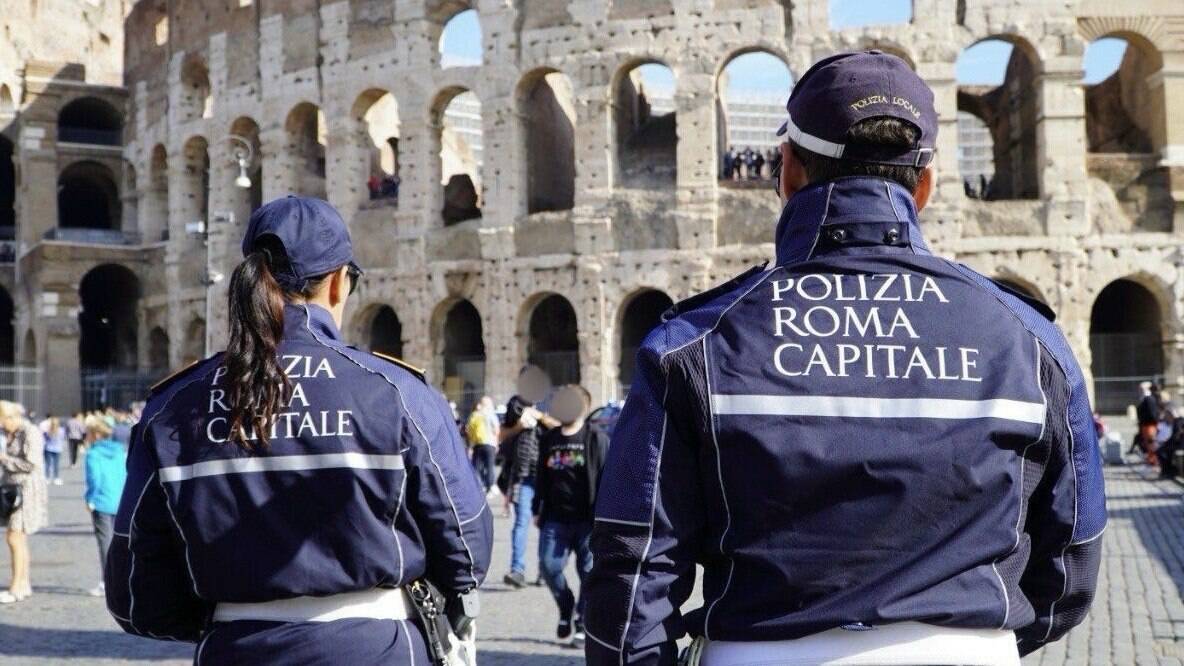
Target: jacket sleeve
1067, 515
541, 478
445, 498
149, 590
649, 524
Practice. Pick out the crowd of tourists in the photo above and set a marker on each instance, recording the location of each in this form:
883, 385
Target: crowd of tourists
748, 164
542, 456
30, 461
1160, 432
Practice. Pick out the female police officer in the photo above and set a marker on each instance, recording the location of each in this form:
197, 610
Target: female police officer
282, 495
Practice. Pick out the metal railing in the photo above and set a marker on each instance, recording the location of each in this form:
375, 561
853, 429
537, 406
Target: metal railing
563, 367
1115, 395
116, 388
21, 385
96, 236
465, 384
87, 135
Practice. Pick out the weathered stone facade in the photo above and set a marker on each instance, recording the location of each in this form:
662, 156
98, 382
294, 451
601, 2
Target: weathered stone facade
1095, 174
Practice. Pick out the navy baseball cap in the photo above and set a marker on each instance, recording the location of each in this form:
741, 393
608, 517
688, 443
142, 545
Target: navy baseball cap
312, 232
844, 89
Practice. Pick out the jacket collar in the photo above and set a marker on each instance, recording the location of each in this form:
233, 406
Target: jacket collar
305, 319
850, 215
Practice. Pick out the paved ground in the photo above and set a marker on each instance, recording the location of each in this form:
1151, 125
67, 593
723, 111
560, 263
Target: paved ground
1138, 617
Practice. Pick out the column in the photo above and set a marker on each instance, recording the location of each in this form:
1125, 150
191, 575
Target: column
1060, 146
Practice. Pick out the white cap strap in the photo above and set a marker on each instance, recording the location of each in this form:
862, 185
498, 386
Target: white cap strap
812, 143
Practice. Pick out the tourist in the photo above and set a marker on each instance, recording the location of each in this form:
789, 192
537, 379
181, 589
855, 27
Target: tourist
570, 459
1147, 413
22, 460
106, 472
75, 434
55, 442
482, 430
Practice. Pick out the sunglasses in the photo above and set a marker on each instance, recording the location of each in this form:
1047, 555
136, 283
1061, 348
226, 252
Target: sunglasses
355, 277
775, 174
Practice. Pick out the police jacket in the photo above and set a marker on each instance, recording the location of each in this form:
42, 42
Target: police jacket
864, 433
364, 484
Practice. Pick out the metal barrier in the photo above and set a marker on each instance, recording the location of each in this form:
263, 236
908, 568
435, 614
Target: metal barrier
116, 388
22, 385
1114, 395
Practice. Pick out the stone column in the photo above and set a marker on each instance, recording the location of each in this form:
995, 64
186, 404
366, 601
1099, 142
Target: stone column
594, 165
1171, 79
1060, 146
698, 184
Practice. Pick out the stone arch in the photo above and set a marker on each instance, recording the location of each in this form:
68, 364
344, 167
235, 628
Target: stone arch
645, 138
158, 351
459, 348
108, 318
456, 20
1010, 110
457, 117
246, 200
545, 101
548, 334
376, 114
639, 313
744, 102
195, 162
88, 197
7, 183
379, 325
90, 120
306, 136
196, 97
194, 348
1128, 323
155, 207
1125, 112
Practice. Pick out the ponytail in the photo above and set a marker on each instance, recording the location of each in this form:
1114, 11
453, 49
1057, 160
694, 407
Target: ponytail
258, 386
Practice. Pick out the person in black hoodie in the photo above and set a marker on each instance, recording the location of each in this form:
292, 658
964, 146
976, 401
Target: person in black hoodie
570, 460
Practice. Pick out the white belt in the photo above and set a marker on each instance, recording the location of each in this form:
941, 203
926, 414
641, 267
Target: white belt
377, 604
911, 643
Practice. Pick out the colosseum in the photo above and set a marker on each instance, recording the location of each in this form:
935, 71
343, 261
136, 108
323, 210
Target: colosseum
587, 212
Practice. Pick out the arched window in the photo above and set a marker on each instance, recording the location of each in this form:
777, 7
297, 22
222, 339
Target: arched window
460, 41
1125, 344
641, 314
547, 107
88, 197
1123, 111
461, 154
377, 114
245, 200
306, 134
197, 180
386, 332
463, 351
109, 295
553, 343
750, 104
90, 120
196, 99
997, 84
646, 126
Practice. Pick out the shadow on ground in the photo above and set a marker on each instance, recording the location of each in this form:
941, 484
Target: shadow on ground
17, 641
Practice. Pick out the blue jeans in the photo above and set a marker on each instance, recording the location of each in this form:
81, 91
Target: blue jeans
521, 529
485, 462
556, 542
51, 464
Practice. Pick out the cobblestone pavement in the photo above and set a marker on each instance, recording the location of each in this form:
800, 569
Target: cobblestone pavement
1137, 619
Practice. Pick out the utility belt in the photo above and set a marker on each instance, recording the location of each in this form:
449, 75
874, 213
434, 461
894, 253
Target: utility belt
448, 624
898, 644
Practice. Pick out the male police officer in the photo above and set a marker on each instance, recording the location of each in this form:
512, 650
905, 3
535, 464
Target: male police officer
877, 455
296, 531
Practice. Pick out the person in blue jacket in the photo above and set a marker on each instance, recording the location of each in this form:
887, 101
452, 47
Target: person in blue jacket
871, 450
106, 474
284, 495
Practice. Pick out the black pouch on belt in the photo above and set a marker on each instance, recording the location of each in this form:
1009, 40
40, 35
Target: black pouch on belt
430, 603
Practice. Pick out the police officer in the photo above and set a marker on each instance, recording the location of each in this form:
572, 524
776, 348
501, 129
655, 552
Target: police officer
283, 495
875, 453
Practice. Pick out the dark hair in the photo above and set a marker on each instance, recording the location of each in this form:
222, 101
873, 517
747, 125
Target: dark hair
886, 133
258, 387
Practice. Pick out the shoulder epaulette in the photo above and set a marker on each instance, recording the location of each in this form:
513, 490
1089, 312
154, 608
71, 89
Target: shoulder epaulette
1037, 304
164, 383
418, 372
701, 298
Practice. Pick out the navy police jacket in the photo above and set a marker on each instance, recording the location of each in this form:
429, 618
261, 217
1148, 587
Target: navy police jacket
863, 434
364, 484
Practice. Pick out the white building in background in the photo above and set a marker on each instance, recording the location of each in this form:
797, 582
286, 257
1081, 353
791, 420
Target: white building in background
463, 117
976, 157
753, 120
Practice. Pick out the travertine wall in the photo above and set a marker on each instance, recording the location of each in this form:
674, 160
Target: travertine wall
1091, 218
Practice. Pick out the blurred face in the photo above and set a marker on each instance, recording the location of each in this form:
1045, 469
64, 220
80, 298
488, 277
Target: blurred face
533, 384
568, 405
10, 423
